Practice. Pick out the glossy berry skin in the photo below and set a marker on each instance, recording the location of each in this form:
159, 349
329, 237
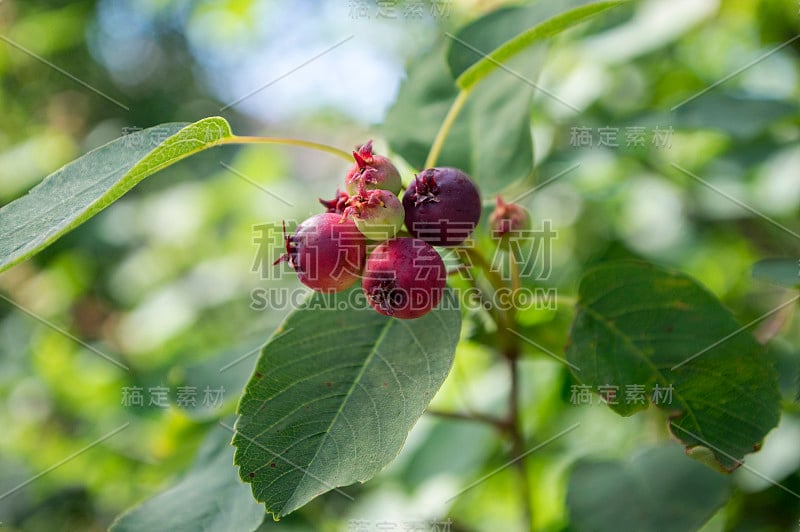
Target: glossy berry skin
404, 278
372, 172
327, 252
442, 206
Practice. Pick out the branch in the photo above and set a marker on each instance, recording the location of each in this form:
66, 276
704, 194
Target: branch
500, 424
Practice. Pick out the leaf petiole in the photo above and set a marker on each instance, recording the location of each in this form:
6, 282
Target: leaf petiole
236, 139
447, 125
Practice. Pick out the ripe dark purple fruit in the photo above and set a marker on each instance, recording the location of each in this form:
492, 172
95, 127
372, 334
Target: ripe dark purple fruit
372, 172
442, 206
327, 253
404, 278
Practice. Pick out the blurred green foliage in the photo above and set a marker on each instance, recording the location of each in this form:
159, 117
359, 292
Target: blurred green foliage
163, 279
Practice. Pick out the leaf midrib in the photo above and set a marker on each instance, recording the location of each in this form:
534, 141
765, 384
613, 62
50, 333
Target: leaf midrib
356, 382
638, 352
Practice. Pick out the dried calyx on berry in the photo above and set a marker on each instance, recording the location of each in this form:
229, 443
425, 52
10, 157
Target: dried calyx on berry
442, 206
508, 219
425, 188
372, 171
327, 253
404, 278
338, 204
378, 214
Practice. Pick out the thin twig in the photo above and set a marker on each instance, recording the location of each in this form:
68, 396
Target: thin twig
517, 439
500, 424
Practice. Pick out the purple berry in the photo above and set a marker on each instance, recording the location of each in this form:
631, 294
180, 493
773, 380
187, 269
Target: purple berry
372, 172
442, 206
327, 252
404, 278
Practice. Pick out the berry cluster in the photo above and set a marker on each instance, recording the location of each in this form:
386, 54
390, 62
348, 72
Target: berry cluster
403, 277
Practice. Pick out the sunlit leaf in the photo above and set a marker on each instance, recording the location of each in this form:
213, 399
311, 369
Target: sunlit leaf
494, 59
76, 192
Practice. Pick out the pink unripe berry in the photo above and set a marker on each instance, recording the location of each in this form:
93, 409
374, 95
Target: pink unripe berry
508, 219
327, 253
378, 214
372, 172
404, 278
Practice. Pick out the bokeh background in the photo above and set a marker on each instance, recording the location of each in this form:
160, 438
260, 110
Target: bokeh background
163, 280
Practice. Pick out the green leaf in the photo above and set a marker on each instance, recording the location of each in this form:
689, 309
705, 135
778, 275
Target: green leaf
784, 272
638, 325
226, 370
549, 28
434, 455
487, 33
209, 497
657, 490
334, 395
76, 192
787, 362
741, 116
493, 30
494, 156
